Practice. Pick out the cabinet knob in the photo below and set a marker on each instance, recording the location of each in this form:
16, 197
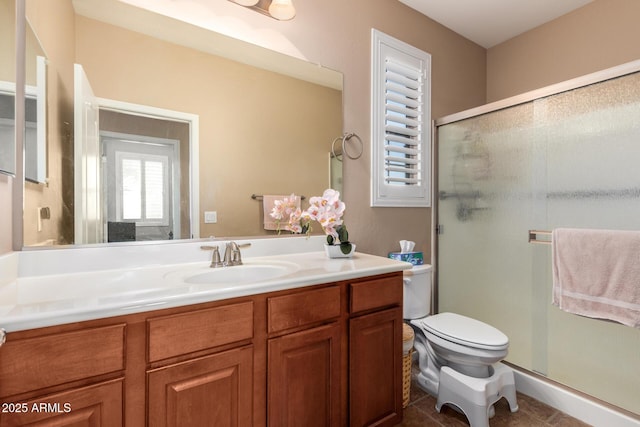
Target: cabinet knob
3, 336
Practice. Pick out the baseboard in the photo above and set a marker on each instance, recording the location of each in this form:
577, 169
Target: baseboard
571, 403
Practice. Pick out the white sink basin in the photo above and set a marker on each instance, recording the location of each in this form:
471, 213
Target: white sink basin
249, 272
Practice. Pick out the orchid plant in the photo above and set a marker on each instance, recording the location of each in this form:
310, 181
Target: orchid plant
288, 208
327, 210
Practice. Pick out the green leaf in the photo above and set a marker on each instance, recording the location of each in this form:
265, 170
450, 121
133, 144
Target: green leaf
343, 234
345, 247
330, 239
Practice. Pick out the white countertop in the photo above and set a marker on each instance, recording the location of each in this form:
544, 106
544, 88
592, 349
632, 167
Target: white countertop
59, 293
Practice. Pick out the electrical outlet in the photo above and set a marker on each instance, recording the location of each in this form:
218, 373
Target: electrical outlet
210, 217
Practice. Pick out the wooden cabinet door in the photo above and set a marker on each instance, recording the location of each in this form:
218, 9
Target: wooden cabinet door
215, 390
304, 378
98, 405
375, 369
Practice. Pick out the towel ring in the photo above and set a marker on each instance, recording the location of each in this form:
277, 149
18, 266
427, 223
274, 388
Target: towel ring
344, 138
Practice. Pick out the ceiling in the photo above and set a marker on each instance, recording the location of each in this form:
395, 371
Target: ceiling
491, 22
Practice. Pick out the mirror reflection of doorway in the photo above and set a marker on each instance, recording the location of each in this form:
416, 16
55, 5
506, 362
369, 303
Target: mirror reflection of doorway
145, 143
97, 117
140, 187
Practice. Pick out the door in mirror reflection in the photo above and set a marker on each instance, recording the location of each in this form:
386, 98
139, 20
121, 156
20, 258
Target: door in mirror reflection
87, 198
141, 187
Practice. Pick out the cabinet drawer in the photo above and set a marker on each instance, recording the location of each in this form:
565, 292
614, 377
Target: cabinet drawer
184, 333
45, 361
377, 293
303, 308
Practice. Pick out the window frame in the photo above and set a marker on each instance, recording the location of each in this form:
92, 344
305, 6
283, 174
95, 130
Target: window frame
143, 221
386, 191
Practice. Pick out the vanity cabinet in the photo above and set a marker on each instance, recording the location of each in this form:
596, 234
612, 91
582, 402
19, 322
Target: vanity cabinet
375, 353
211, 390
322, 355
304, 374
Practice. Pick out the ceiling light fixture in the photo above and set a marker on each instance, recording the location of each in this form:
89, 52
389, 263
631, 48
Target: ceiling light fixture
281, 10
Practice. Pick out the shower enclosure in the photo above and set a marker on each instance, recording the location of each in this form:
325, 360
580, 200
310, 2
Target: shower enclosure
563, 156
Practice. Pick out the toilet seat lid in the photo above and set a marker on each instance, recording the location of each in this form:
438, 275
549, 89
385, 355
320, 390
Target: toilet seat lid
466, 331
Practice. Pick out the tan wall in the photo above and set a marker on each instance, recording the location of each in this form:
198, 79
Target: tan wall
7, 41
600, 35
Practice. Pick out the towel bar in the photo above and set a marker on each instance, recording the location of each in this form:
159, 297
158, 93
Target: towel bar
259, 197
533, 237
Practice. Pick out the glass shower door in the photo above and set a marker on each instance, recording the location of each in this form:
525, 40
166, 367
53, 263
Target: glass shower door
566, 160
484, 269
592, 140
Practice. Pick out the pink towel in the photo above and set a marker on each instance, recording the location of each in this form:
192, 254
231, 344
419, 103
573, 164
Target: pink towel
596, 273
268, 202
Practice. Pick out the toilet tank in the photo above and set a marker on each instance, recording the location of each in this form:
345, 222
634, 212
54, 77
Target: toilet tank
417, 291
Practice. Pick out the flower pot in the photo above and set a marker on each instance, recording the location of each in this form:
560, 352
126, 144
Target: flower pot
334, 251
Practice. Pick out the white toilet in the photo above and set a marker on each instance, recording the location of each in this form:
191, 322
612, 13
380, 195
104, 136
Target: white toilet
467, 348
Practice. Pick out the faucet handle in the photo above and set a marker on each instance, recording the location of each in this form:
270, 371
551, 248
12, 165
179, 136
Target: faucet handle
215, 257
236, 256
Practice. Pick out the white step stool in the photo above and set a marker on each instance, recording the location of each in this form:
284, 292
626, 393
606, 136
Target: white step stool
475, 396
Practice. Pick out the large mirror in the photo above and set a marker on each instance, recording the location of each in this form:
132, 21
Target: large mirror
155, 132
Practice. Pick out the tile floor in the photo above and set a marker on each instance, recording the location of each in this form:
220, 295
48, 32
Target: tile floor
421, 412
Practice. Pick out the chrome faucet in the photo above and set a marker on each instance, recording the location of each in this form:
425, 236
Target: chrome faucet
232, 254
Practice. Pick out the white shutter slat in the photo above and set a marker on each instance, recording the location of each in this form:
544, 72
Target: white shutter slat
408, 171
401, 130
390, 137
400, 69
402, 119
398, 99
403, 80
405, 150
406, 160
403, 180
406, 91
400, 109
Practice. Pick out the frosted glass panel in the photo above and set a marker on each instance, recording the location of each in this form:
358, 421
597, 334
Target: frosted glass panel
568, 160
593, 181
484, 180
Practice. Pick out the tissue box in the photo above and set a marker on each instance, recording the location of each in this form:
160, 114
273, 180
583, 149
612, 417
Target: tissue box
414, 258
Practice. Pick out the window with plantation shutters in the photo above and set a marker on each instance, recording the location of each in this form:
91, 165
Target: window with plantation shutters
142, 182
401, 131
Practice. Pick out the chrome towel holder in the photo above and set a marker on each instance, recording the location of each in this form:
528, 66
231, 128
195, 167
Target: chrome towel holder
344, 138
260, 196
